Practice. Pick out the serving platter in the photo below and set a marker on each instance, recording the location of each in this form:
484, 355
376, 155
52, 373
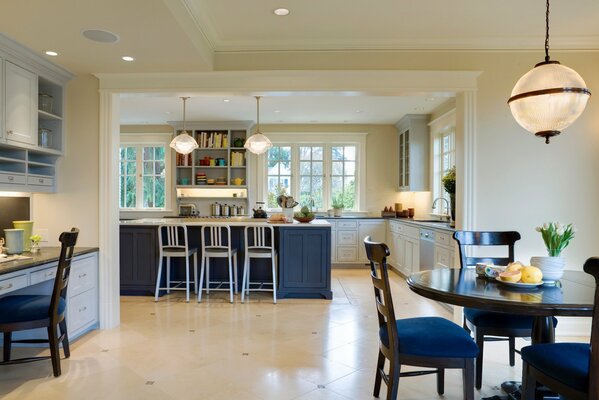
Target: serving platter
520, 285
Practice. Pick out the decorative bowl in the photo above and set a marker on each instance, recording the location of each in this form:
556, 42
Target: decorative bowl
304, 220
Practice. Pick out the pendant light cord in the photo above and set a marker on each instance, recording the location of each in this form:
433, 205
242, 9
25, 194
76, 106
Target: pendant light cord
547, 33
258, 114
184, 100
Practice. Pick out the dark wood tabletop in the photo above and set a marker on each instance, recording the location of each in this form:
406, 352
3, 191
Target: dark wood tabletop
572, 296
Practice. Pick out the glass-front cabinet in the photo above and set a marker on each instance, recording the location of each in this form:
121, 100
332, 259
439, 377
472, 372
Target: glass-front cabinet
413, 153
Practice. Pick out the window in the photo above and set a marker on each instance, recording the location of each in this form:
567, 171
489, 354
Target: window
443, 160
324, 172
142, 183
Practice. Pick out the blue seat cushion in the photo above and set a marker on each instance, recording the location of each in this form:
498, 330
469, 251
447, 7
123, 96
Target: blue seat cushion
29, 307
567, 363
490, 319
431, 337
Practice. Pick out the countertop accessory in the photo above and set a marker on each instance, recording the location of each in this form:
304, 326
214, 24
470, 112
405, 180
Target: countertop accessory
44, 138
258, 143
45, 103
258, 211
14, 241
27, 227
549, 97
187, 210
183, 143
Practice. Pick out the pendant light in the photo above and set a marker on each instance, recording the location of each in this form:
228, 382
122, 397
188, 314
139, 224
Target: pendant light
549, 97
258, 143
183, 143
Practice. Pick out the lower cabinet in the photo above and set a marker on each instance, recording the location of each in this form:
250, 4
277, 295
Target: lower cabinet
347, 238
444, 250
304, 262
138, 259
82, 306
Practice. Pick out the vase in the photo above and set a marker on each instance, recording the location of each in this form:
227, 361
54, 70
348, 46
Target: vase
551, 267
27, 227
337, 211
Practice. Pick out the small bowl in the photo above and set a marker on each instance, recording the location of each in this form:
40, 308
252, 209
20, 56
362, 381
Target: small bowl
304, 220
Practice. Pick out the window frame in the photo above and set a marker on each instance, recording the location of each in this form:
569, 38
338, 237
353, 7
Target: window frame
139, 141
444, 126
325, 140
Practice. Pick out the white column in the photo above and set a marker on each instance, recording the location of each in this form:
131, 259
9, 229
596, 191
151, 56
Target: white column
109, 211
466, 160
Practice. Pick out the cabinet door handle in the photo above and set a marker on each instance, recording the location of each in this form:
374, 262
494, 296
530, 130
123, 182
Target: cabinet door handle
6, 286
40, 180
82, 275
82, 309
11, 178
9, 132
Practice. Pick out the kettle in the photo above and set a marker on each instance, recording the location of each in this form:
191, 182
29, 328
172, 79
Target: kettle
259, 213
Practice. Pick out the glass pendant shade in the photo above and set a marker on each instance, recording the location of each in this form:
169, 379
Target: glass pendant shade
548, 98
258, 143
183, 143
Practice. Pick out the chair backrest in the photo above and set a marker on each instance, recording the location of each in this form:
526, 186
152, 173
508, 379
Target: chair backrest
216, 237
173, 236
63, 271
377, 254
477, 238
591, 266
261, 237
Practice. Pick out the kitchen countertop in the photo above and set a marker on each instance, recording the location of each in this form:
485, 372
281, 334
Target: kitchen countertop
45, 256
232, 221
421, 223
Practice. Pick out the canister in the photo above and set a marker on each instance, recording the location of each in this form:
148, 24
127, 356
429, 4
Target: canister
14, 241
27, 227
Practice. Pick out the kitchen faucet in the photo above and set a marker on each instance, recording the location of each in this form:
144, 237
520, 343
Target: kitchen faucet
446, 202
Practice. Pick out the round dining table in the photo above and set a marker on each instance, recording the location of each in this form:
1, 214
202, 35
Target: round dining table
573, 295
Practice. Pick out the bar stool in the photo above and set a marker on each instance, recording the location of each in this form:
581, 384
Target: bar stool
216, 243
173, 242
259, 245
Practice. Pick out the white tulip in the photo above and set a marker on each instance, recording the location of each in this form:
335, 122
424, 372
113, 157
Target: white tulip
538, 229
546, 226
560, 230
558, 226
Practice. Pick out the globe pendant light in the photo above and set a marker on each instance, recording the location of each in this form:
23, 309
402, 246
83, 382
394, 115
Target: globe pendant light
183, 143
549, 97
258, 143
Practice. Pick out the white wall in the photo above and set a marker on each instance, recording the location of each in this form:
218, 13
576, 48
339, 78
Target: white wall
76, 202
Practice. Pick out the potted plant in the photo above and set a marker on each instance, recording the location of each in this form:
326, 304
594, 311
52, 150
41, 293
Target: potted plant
338, 205
448, 182
35, 243
556, 236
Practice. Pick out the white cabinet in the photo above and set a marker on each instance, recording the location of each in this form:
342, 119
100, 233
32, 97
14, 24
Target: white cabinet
444, 250
82, 306
21, 105
347, 238
413, 153
403, 242
373, 228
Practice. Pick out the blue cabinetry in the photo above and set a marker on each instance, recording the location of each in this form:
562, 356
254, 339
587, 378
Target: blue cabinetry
305, 262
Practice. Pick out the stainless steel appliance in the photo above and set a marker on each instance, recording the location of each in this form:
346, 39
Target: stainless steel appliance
215, 210
427, 249
225, 210
187, 210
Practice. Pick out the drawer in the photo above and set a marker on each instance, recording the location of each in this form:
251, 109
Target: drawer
347, 224
43, 275
410, 231
346, 254
443, 239
14, 283
347, 237
83, 275
40, 181
82, 310
13, 179
394, 226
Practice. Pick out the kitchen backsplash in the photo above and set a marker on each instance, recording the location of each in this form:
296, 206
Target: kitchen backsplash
13, 209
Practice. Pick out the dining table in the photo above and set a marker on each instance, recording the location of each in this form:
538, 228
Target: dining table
571, 296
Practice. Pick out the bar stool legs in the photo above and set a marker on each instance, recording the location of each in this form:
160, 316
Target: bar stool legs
205, 268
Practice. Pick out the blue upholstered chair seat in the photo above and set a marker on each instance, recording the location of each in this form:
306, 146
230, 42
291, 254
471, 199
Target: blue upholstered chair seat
489, 319
567, 363
431, 337
29, 307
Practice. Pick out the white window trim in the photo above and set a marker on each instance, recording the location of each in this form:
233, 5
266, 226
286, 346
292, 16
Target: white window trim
318, 138
438, 128
141, 140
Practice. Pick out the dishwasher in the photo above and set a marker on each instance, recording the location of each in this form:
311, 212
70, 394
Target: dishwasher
427, 249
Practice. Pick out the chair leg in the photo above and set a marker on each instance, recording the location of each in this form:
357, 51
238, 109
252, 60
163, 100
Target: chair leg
168, 275
65, 340
480, 342
512, 344
380, 365
440, 381
230, 279
195, 272
207, 275
54, 354
468, 380
203, 263
235, 272
7, 345
274, 280
246, 263
393, 386
187, 279
529, 384
158, 277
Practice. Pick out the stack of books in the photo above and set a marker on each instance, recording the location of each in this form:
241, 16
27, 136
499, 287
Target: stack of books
237, 158
213, 140
184, 160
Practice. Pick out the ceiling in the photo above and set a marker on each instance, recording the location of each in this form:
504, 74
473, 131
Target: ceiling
189, 35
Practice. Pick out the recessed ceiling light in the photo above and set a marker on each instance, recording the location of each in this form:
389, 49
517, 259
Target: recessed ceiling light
100, 35
128, 58
418, 108
51, 53
168, 112
226, 100
359, 111
281, 12
277, 111
430, 99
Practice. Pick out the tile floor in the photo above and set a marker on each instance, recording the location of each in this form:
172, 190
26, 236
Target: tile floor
296, 349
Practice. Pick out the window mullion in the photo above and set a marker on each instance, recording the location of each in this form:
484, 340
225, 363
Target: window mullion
139, 203
328, 172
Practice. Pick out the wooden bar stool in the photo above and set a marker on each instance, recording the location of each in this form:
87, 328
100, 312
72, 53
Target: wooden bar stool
173, 242
216, 243
259, 244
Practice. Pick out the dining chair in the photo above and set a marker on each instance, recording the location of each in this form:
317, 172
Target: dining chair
570, 369
489, 325
32, 311
430, 342
259, 243
216, 243
174, 242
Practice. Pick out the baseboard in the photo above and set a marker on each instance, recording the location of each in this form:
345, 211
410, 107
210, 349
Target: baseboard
350, 266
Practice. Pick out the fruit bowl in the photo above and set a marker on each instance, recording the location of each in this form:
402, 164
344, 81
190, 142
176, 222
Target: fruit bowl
304, 220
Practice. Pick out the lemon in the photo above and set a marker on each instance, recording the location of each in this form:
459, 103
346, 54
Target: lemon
510, 276
531, 274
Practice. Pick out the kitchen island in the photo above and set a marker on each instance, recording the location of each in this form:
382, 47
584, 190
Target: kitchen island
304, 254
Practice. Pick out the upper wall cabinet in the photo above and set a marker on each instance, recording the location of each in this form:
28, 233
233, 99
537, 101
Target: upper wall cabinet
413, 153
31, 118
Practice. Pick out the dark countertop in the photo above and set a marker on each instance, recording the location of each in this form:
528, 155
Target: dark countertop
422, 223
45, 256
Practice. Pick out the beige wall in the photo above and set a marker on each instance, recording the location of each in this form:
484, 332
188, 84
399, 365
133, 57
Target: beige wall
76, 200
